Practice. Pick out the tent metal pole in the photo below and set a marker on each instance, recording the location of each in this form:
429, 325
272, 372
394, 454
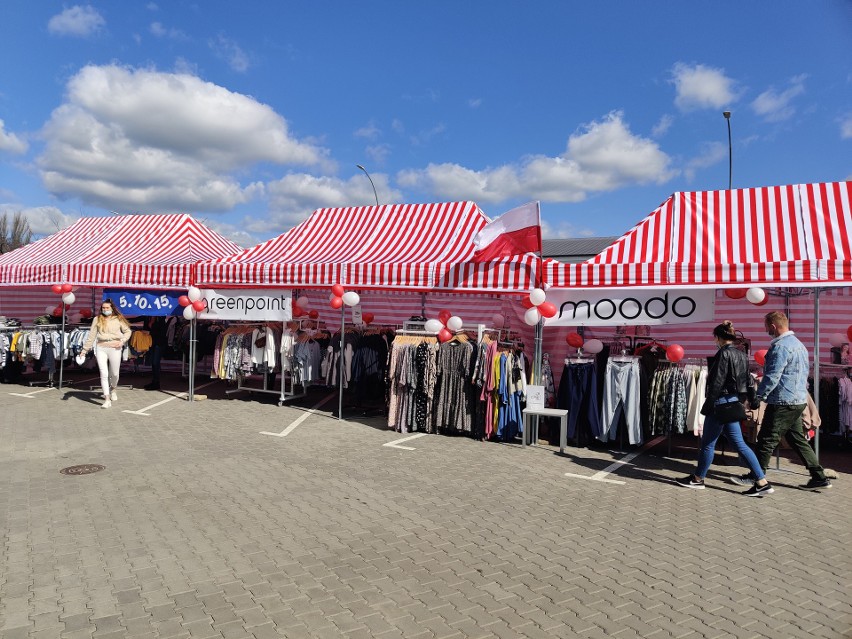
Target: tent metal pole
340, 373
192, 347
816, 366
62, 347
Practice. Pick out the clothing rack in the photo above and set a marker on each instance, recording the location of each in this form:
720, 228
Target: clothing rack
49, 382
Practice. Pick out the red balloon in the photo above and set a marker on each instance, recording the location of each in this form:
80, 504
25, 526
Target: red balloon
314, 314
575, 340
67, 288
674, 353
525, 301
444, 316
336, 302
57, 312
548, 309
199, 305
85, 313
338, 291
444, 335
368, 318
736, 293
760, 356
849, 333
57, 288
183, 300
298, 311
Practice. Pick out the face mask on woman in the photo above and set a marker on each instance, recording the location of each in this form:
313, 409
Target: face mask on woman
106, 311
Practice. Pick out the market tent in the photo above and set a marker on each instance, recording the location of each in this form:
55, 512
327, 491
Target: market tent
413, 247
770, 236
153, 251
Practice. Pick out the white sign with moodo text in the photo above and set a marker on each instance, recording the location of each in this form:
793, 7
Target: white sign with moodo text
618, 307
248, 305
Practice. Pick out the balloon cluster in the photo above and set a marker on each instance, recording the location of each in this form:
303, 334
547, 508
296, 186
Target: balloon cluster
192, 303
300, 308
68, 298
340, 296
537, 307
444, 326
839, 339
592, 346
755, 295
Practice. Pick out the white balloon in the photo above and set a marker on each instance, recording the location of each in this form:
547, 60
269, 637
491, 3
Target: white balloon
194, 294
351, 298
537, 296
303, 301
455, 323
499, 320
837, 339
74, 318
532, 316
49, 309
755, 295
188, 312
433, 325
68, 298
593, 346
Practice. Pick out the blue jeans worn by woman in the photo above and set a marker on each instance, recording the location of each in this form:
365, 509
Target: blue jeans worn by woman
733, 432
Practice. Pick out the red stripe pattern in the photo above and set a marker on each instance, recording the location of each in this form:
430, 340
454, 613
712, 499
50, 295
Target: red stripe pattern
793, 234
154, 251
424, 247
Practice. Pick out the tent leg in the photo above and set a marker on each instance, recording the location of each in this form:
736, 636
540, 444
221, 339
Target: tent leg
816, 367
192, 346
62, 346
340, 374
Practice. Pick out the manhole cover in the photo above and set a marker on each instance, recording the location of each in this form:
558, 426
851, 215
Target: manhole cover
82, 469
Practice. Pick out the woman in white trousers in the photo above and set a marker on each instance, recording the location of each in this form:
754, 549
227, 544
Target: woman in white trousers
109, 333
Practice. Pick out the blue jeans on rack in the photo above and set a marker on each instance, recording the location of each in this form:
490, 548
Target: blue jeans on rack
578, 392
734, 433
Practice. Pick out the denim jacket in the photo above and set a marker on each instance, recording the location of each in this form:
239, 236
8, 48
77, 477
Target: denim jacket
785, 373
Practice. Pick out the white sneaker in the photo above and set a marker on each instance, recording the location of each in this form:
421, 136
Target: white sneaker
113, 396
107, 404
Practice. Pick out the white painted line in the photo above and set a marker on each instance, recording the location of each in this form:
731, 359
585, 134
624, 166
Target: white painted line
624, 461
32, 393
595, 478
300, 419
395, 444
142, 412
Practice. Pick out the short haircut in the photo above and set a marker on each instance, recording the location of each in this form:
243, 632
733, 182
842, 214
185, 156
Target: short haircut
776, 317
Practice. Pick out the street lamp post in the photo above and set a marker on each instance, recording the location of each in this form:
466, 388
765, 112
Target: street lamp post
371, 182
727, 115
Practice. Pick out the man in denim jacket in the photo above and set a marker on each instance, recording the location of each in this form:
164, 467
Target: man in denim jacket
784, 388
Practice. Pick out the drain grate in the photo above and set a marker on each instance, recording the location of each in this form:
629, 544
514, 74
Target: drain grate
82, 469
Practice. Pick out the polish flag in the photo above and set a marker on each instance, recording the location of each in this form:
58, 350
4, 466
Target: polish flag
514, 233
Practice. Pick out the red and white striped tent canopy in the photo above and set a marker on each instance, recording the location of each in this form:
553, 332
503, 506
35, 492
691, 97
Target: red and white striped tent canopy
131, 250
422, 247
782, 235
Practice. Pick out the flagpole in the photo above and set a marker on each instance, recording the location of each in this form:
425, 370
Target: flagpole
539, 327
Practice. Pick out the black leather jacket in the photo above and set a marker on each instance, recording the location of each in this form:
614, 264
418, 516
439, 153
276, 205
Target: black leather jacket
728, 374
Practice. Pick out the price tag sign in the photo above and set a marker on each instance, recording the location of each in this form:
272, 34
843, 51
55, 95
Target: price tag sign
135, 302
357, 317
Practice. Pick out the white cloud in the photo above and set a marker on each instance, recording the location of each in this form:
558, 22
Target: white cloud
603, 156
564, 229
369, 132
294, 197
231, 52
474, 103
775, 107
43, 220
378, 153
158, 30
846, 127
149, 141
10, 142
76, 21
711, 153
662, 127
701, 87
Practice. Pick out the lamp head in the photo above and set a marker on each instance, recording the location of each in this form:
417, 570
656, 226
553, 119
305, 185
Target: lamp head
727, 114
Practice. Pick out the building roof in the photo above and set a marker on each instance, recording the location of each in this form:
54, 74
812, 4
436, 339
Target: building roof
575, 249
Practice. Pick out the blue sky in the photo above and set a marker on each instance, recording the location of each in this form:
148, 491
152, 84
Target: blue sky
252, 114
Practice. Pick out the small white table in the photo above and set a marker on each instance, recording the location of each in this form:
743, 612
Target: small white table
561, 413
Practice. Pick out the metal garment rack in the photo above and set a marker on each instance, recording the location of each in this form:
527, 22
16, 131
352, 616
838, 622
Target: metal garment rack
284, 393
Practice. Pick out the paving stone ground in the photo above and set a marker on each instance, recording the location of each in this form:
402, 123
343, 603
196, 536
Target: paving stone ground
201, 527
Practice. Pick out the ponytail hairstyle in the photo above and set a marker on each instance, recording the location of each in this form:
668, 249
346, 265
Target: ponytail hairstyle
725, 331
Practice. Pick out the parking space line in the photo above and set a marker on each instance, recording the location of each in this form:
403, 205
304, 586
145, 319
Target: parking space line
624, 461
300, 419
142, 412
395, 444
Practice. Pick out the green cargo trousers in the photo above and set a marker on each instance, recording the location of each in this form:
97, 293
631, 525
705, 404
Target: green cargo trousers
779, 421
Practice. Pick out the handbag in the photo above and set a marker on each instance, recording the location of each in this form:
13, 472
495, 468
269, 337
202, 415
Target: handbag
729, 412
